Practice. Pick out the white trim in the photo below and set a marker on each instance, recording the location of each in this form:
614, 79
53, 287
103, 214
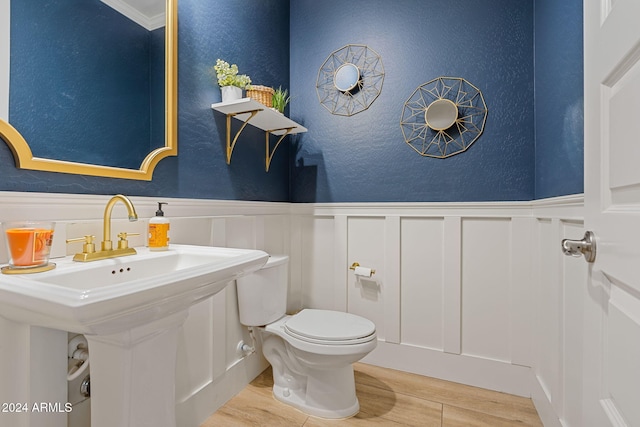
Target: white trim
74, 206
523, 285
452, 309
475, 371
149, 22
565, 207
391, 280
560, 201
410, 208
465, 209
58, 206
541, 401
340, 236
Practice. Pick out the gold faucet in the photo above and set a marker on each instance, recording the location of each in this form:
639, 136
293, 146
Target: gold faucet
106, 248
133, 216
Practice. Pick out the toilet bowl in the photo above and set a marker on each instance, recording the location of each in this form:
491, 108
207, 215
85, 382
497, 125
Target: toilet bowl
311, 352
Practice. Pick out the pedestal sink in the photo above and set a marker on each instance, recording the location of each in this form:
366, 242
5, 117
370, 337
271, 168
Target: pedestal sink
130, 309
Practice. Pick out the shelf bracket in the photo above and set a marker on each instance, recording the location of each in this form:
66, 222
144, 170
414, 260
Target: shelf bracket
231, 144
269, 153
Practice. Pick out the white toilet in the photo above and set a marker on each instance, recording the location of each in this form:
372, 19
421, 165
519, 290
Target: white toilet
311, 352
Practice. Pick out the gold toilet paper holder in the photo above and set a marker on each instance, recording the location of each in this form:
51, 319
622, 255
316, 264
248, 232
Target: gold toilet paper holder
355, 264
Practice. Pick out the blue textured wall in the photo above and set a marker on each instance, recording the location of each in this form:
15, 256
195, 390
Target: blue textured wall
559, 98
488, 42
252, 33
364, 157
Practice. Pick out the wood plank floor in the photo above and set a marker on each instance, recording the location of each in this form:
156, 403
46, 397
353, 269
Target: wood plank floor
387, 398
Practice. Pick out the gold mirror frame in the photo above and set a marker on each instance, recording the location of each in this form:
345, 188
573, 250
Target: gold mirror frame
442, 141
24, 156
366, 89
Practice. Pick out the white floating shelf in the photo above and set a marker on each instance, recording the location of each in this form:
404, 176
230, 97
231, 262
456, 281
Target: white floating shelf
267, 119
252, 112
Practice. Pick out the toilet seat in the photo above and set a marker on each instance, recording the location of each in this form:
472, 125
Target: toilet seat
329, 327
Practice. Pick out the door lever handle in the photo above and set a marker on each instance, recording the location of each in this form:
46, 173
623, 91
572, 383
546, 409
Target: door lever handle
586, 247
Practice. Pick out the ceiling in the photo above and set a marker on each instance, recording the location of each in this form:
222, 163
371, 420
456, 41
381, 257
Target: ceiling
150, 14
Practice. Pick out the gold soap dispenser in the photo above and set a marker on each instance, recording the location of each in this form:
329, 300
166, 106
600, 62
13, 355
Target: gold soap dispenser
159, 230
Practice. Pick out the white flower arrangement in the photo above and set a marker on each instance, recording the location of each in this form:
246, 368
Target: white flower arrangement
227, 75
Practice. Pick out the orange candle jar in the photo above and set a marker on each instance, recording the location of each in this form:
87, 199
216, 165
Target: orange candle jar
29, 243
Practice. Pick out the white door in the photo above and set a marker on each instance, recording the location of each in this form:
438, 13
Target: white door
611, 381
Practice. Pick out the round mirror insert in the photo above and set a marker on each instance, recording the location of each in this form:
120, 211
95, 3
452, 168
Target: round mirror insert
346, 77
441, 114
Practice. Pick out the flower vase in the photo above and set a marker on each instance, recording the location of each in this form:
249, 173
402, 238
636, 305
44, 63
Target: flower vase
231, 93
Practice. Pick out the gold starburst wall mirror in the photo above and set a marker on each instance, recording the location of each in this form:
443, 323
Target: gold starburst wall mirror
350, 80
75, 151
443, 117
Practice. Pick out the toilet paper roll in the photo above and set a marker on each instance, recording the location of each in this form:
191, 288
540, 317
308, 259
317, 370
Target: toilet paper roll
363, 271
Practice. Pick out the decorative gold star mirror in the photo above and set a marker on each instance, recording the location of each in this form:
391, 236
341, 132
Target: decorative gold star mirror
443, 117
350, 80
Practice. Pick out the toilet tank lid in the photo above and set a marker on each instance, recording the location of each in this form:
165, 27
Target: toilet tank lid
275, 260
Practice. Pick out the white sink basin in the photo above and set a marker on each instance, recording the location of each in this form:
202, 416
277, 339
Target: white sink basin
131, 310
118, 294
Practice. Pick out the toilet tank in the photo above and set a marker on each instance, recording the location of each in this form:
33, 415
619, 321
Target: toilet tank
262, 296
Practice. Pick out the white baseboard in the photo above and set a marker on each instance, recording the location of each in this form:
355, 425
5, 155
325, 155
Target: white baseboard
475, 371
546, 411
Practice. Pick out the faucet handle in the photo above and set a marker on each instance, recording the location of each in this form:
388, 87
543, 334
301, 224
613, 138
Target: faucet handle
123, 243
89, 247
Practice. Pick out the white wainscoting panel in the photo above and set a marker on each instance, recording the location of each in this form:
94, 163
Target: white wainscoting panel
522, 290
392, 279
317, 262
477, 293
366, 246
196, 348
275, 237
422, 282
452, 267
486, 288
193, 231
467, 291
240, 232
340, 261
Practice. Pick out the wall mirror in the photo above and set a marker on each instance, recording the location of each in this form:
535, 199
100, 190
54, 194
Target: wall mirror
350, 79
443, 117
45, 130
346, 77
441, 114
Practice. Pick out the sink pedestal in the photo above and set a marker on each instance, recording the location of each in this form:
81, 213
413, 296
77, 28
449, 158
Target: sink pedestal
133, 375
130, 309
